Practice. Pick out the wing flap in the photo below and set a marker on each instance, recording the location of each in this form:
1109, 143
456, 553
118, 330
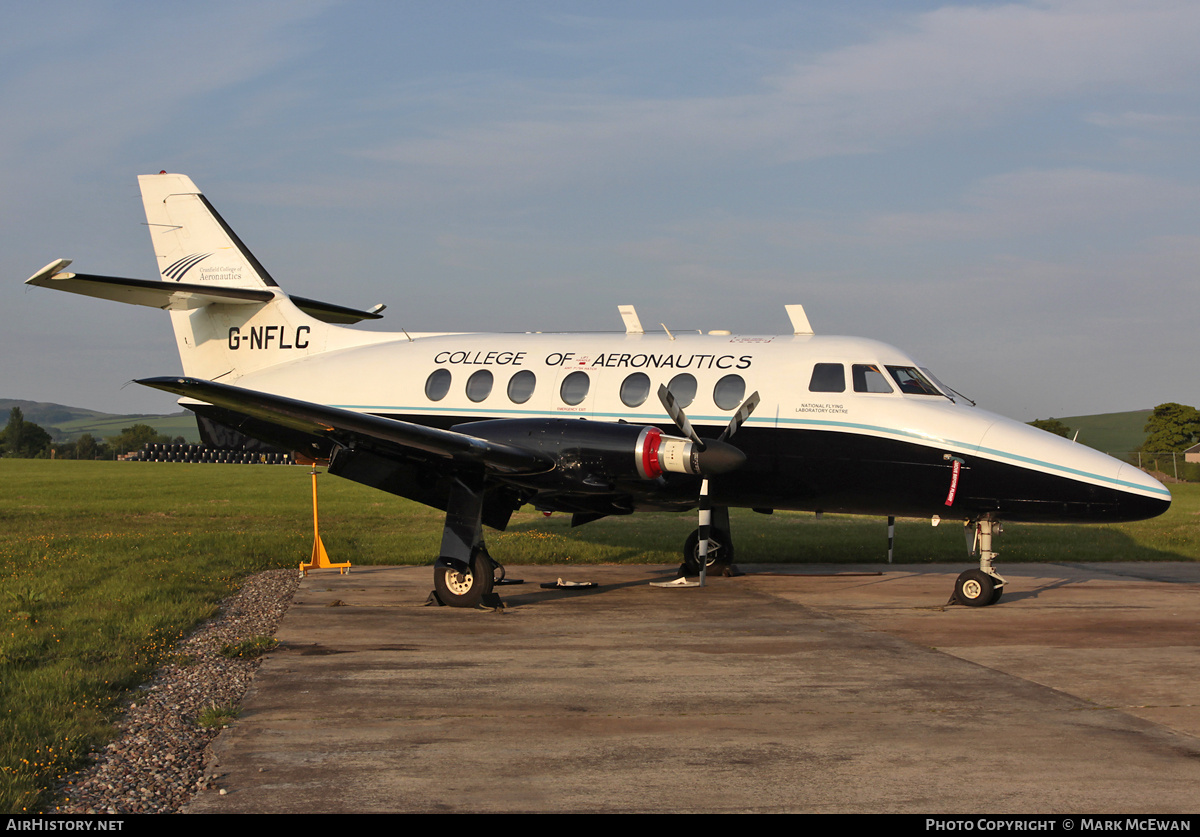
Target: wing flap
347, 426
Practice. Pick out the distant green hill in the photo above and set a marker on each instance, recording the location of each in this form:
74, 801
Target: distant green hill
66, 424
1110, 432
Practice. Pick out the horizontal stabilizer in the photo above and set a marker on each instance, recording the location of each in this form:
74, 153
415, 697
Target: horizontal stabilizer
176, 296
348, 427
327, 312
181, 296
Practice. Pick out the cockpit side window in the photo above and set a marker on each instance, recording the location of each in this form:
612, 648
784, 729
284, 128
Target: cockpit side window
912, 382
868, 378
828, 377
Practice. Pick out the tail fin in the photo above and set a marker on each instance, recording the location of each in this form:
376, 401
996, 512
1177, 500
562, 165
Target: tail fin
230, 317
191, 241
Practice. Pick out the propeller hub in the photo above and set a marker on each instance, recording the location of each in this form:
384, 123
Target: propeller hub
718, 458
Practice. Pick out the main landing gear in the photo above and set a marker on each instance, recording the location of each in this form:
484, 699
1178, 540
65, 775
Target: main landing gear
465, 574
719, 560
984, 586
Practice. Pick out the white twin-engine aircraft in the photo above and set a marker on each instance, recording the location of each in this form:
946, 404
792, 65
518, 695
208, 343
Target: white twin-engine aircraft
595, 424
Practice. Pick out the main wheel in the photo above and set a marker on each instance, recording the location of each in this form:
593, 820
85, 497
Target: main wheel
720, 550
975, 588
459, 589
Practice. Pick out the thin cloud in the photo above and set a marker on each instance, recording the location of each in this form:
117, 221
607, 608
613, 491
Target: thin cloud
951, 69
117, 77
1035, 203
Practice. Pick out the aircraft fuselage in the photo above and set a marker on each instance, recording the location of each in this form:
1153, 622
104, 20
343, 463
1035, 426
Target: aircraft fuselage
870, 448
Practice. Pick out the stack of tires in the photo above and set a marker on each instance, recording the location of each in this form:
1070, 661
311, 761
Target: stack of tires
201, 454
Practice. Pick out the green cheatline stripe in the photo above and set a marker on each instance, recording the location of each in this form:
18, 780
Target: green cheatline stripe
1165, 494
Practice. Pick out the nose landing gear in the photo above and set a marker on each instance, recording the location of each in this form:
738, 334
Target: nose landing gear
984, 586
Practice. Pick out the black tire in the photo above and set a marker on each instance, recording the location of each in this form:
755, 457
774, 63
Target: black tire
975, 588
458, 589
720, 550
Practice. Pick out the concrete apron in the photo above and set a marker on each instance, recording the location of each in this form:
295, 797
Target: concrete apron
792, 688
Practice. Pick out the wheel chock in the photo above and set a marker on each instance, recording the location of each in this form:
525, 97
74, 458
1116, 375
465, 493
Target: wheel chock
682, 581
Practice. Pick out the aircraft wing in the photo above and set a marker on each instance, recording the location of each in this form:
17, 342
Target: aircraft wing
348, 428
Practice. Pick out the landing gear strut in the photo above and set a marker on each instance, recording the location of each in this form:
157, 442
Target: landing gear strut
984, 586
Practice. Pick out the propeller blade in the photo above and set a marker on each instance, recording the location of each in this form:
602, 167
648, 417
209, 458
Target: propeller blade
739, 418
678, 416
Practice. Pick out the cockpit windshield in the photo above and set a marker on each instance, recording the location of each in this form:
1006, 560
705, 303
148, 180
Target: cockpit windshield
912, 382
953, 394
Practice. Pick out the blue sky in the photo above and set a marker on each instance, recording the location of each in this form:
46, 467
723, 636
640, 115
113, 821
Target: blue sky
1008, 191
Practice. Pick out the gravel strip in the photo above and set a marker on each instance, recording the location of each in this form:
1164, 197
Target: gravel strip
157, 762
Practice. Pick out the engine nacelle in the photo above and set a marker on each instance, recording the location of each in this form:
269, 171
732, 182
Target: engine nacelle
589, 451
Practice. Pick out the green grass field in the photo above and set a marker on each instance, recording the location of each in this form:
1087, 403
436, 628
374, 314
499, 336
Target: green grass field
105, 565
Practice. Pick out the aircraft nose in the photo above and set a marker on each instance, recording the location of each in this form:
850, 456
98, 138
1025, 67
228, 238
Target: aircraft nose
1140, 506
1087, 479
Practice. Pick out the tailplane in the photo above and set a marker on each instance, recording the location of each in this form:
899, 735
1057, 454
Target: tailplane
230, 317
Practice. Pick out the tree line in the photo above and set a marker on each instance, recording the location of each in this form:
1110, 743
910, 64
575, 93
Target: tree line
23, 439
1171, 428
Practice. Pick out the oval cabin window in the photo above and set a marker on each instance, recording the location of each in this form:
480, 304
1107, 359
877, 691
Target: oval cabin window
574, 388
520, 386
437, 384
729, 392
683, 387
479, 385
635, 389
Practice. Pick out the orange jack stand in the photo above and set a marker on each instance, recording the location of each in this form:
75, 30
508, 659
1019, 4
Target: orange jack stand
320, 558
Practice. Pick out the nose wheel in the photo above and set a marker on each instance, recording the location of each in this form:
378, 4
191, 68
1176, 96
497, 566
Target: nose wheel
976, 588
984, 586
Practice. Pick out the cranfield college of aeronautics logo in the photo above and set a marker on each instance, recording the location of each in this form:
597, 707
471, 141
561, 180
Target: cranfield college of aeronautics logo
222, 273
176, 269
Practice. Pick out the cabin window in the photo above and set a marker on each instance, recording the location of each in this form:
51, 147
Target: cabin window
479, 385
828, 377
683, 387
437, 384
520, 386
911, 381
574, 388
635, 389
868, 378
729, 392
